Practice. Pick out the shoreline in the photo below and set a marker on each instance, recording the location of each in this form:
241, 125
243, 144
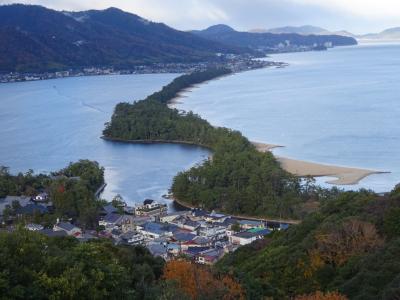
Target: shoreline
171, 103
242, 217
344, 175
106, 138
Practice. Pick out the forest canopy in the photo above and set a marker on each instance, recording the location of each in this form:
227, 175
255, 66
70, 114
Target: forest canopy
237, 179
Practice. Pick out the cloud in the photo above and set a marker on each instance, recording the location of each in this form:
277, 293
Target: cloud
367, 8
353, 15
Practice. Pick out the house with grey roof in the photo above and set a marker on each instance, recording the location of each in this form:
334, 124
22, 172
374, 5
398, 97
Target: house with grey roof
31, 209
132, 238
184, 222
33, 227
50, 233
209, 257
174, 215
9, 200
212, 232
154, 230
68, 228
124, 222
182, 237
248, 224
157, 249
249, 236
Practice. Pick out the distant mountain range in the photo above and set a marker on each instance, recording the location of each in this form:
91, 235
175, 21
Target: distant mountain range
388, 34
34, 38
392, 34
308, 29
304, 30
268, 40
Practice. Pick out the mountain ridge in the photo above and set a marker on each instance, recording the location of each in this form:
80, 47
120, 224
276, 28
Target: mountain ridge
41, 39
268, 41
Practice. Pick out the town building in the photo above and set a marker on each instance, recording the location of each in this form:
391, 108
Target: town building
209, 257
68, 228
249, 236
151, 208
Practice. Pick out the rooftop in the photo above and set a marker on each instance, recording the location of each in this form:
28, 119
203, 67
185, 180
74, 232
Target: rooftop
111, 218
51, 233
31, 209
183, 237
252, 233
65, 226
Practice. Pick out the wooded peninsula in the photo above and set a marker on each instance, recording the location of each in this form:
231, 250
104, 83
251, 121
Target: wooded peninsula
238, 179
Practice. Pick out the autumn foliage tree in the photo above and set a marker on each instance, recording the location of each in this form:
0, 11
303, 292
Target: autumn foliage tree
353, 237
321, 296
198, 282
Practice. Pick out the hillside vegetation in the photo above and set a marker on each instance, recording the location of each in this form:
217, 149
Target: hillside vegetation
351, 245
71, 189
38, 39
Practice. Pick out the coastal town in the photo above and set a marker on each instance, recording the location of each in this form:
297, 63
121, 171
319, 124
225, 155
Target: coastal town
201, 236
236, 63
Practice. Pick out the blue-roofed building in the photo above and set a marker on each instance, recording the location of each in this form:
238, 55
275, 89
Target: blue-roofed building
183, 237
157, 249
193, 251
109, 220
153, 230
173, 248
283, 226
108, 209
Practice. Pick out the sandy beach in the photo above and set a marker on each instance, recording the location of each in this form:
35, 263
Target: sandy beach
343, 175
172, 103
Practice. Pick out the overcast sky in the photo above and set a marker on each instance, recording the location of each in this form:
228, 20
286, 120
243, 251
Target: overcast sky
358, 16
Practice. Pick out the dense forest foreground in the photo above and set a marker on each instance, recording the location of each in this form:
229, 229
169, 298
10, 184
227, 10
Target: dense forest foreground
351, 245
347, 249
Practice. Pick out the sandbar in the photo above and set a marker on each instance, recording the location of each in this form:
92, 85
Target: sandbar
343, 175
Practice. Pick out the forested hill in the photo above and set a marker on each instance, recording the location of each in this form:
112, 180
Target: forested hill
237, 180
351, 246
267, 40
34, 38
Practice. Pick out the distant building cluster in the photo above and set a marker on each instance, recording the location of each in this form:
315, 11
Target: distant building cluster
201, 236
236, 63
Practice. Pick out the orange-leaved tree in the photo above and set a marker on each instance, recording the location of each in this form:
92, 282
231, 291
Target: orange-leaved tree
198, 282
321, 296
335, 247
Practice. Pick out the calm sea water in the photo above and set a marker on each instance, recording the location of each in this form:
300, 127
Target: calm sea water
44, 125
336, 107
